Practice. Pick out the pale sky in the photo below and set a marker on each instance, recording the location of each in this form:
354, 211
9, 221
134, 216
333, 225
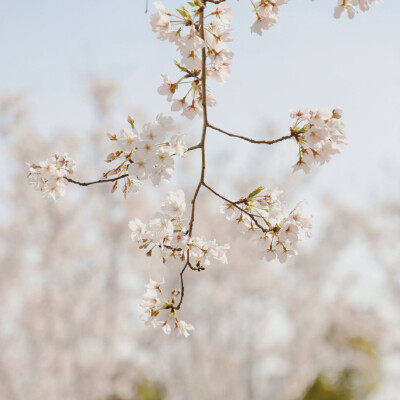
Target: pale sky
50, 49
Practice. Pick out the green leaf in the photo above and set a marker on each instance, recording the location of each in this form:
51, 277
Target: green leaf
255, 192
183, 12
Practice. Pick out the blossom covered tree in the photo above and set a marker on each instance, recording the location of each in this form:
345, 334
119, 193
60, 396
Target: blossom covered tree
200, 31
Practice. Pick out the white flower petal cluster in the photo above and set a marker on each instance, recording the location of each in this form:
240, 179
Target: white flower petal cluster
262, 218
167, 234
160, 21
185, 33
49, 177
318, 135
153, 303
267, 12
351, 7
145, 155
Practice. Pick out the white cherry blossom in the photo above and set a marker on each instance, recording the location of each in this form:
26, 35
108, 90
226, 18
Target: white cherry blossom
184, 31
318, 135
261, 216
50, 177
154, 306
160, 21
147, 154
351, 7
175, 204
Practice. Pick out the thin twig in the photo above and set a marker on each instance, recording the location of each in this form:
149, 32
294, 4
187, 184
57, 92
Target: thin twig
292, 135
245, 200
94, 182
182, 285
234, 204
198, 146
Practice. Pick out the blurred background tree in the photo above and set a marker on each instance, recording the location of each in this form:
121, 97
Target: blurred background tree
72, 280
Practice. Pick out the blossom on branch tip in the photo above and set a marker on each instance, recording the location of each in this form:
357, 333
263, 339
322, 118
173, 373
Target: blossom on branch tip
318, 135
49, 177
351, 7
147, 154
154, 305
160, 21
183, 328
267, 13
190, 38
167, 88
223, 13
261, 216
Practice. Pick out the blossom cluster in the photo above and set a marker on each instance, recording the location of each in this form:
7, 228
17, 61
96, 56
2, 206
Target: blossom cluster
261, 216
50, 176
145, 155
191, 38
267, 12
318, 135
153, 303
351, 7
167, 234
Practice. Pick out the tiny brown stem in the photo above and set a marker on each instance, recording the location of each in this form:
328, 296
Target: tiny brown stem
198, 146
182, 285
95, 182
292, 135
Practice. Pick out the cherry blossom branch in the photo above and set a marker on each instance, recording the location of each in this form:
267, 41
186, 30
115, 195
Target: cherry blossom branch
235, 204
198, 146
318, 134
201, 146
95, 182
292, 135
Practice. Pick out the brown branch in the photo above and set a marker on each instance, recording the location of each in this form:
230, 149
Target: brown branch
234, 204
187, 264
198, 146
170, 247
292, 135
201, 146
205, 120
182, 285
95, 182
244, 200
